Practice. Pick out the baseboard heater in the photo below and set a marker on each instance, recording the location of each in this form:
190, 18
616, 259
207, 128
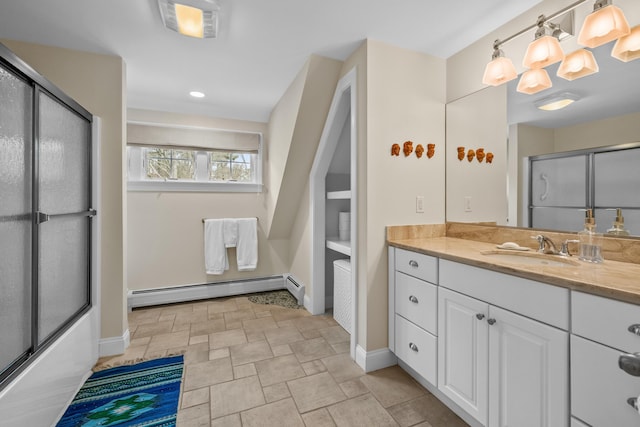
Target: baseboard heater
159, 296
296, 289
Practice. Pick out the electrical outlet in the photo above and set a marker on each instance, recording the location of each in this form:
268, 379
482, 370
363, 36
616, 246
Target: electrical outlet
419, 204
467, 203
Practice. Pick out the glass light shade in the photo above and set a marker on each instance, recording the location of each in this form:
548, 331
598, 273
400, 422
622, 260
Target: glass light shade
627, 48
534, 81
578, 64
543, 51
602, 26
190, 21
557, 101
499, 70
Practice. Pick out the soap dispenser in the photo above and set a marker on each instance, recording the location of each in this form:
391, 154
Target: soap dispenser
590, 241
617, 229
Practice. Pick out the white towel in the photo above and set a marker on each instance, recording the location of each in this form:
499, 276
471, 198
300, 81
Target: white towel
215, 254
230, 230
247, 249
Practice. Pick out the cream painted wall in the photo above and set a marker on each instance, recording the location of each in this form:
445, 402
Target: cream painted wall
611, 131
405, 101
98, 83
165, 238
470, 124
288, 180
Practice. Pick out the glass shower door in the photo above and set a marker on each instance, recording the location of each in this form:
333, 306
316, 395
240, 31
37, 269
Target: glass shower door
64, 203
15, 219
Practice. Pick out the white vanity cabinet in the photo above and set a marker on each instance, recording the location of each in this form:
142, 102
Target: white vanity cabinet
503, 368
603, 330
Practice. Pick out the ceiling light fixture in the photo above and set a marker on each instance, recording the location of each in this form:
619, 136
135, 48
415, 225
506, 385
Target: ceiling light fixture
545, 49
580, 63
556, 101
196, 94
627, 48
606, 23
191, 18
499, 70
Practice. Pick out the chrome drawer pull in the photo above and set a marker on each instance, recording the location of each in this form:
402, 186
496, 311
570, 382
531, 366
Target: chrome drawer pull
413, 347
479, 316
634, 329
491, 321
413, 299
413, 264
633, 402
630, 363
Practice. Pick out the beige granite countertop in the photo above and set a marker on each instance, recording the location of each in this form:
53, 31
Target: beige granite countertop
612, 279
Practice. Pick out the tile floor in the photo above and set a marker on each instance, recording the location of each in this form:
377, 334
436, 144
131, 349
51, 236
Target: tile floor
249, 364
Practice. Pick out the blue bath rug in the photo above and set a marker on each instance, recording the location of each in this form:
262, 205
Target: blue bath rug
141, 395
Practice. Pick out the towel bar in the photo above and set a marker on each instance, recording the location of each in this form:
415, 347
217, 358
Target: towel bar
203, 219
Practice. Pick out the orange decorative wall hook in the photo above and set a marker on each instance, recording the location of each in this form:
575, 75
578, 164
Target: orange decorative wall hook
460, 153
395, 150
470, 154
419, 150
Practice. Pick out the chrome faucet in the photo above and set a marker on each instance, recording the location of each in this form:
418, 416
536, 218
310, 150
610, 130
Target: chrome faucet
545, 245
564, 249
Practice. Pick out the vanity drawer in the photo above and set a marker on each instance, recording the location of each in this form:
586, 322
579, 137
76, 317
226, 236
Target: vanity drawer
599, 388
540, 301
606, 321
422, 266
417, 348
417, 301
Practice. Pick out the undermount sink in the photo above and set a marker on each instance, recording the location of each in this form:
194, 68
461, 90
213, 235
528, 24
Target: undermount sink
530, 258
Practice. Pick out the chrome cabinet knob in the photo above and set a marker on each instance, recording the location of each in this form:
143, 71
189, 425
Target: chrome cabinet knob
413, 347
479, 316
413, 299
634, 329
630, 363
413, 264
491, 321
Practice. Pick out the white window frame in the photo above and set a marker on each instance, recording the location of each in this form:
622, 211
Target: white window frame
137, 181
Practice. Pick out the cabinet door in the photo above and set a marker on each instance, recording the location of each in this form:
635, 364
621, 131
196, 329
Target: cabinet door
463, 352
528, 372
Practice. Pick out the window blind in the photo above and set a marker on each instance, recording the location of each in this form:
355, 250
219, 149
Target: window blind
140, 134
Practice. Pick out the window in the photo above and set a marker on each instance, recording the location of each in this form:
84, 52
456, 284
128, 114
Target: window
162, 163
176, 169
185, 158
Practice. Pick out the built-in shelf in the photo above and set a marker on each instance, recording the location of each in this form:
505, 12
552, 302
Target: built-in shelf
335, 195
342, 246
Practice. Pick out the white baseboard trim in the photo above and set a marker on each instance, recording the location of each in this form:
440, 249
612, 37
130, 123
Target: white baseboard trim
307, 303
114, 345
158, 296
375, 359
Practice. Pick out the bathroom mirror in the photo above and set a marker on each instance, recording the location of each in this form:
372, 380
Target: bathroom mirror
605, 113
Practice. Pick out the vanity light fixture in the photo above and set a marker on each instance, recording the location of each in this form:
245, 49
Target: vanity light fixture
627, 48
545, 49
606, 23
534, 81
499, 70
196, 94
578, 64
191, 18
556, 101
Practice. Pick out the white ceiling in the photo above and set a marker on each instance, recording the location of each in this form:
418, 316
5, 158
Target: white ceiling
261, 44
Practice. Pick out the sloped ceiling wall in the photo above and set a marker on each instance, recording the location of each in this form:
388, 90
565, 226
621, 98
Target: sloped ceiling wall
295, 127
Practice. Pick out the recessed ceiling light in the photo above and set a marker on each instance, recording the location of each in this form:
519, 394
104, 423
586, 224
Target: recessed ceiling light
196, 94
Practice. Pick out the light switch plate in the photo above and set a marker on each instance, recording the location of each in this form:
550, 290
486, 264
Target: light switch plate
419, 204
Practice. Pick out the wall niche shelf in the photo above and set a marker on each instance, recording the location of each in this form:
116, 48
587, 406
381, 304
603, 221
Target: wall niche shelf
341, 246
339, 195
